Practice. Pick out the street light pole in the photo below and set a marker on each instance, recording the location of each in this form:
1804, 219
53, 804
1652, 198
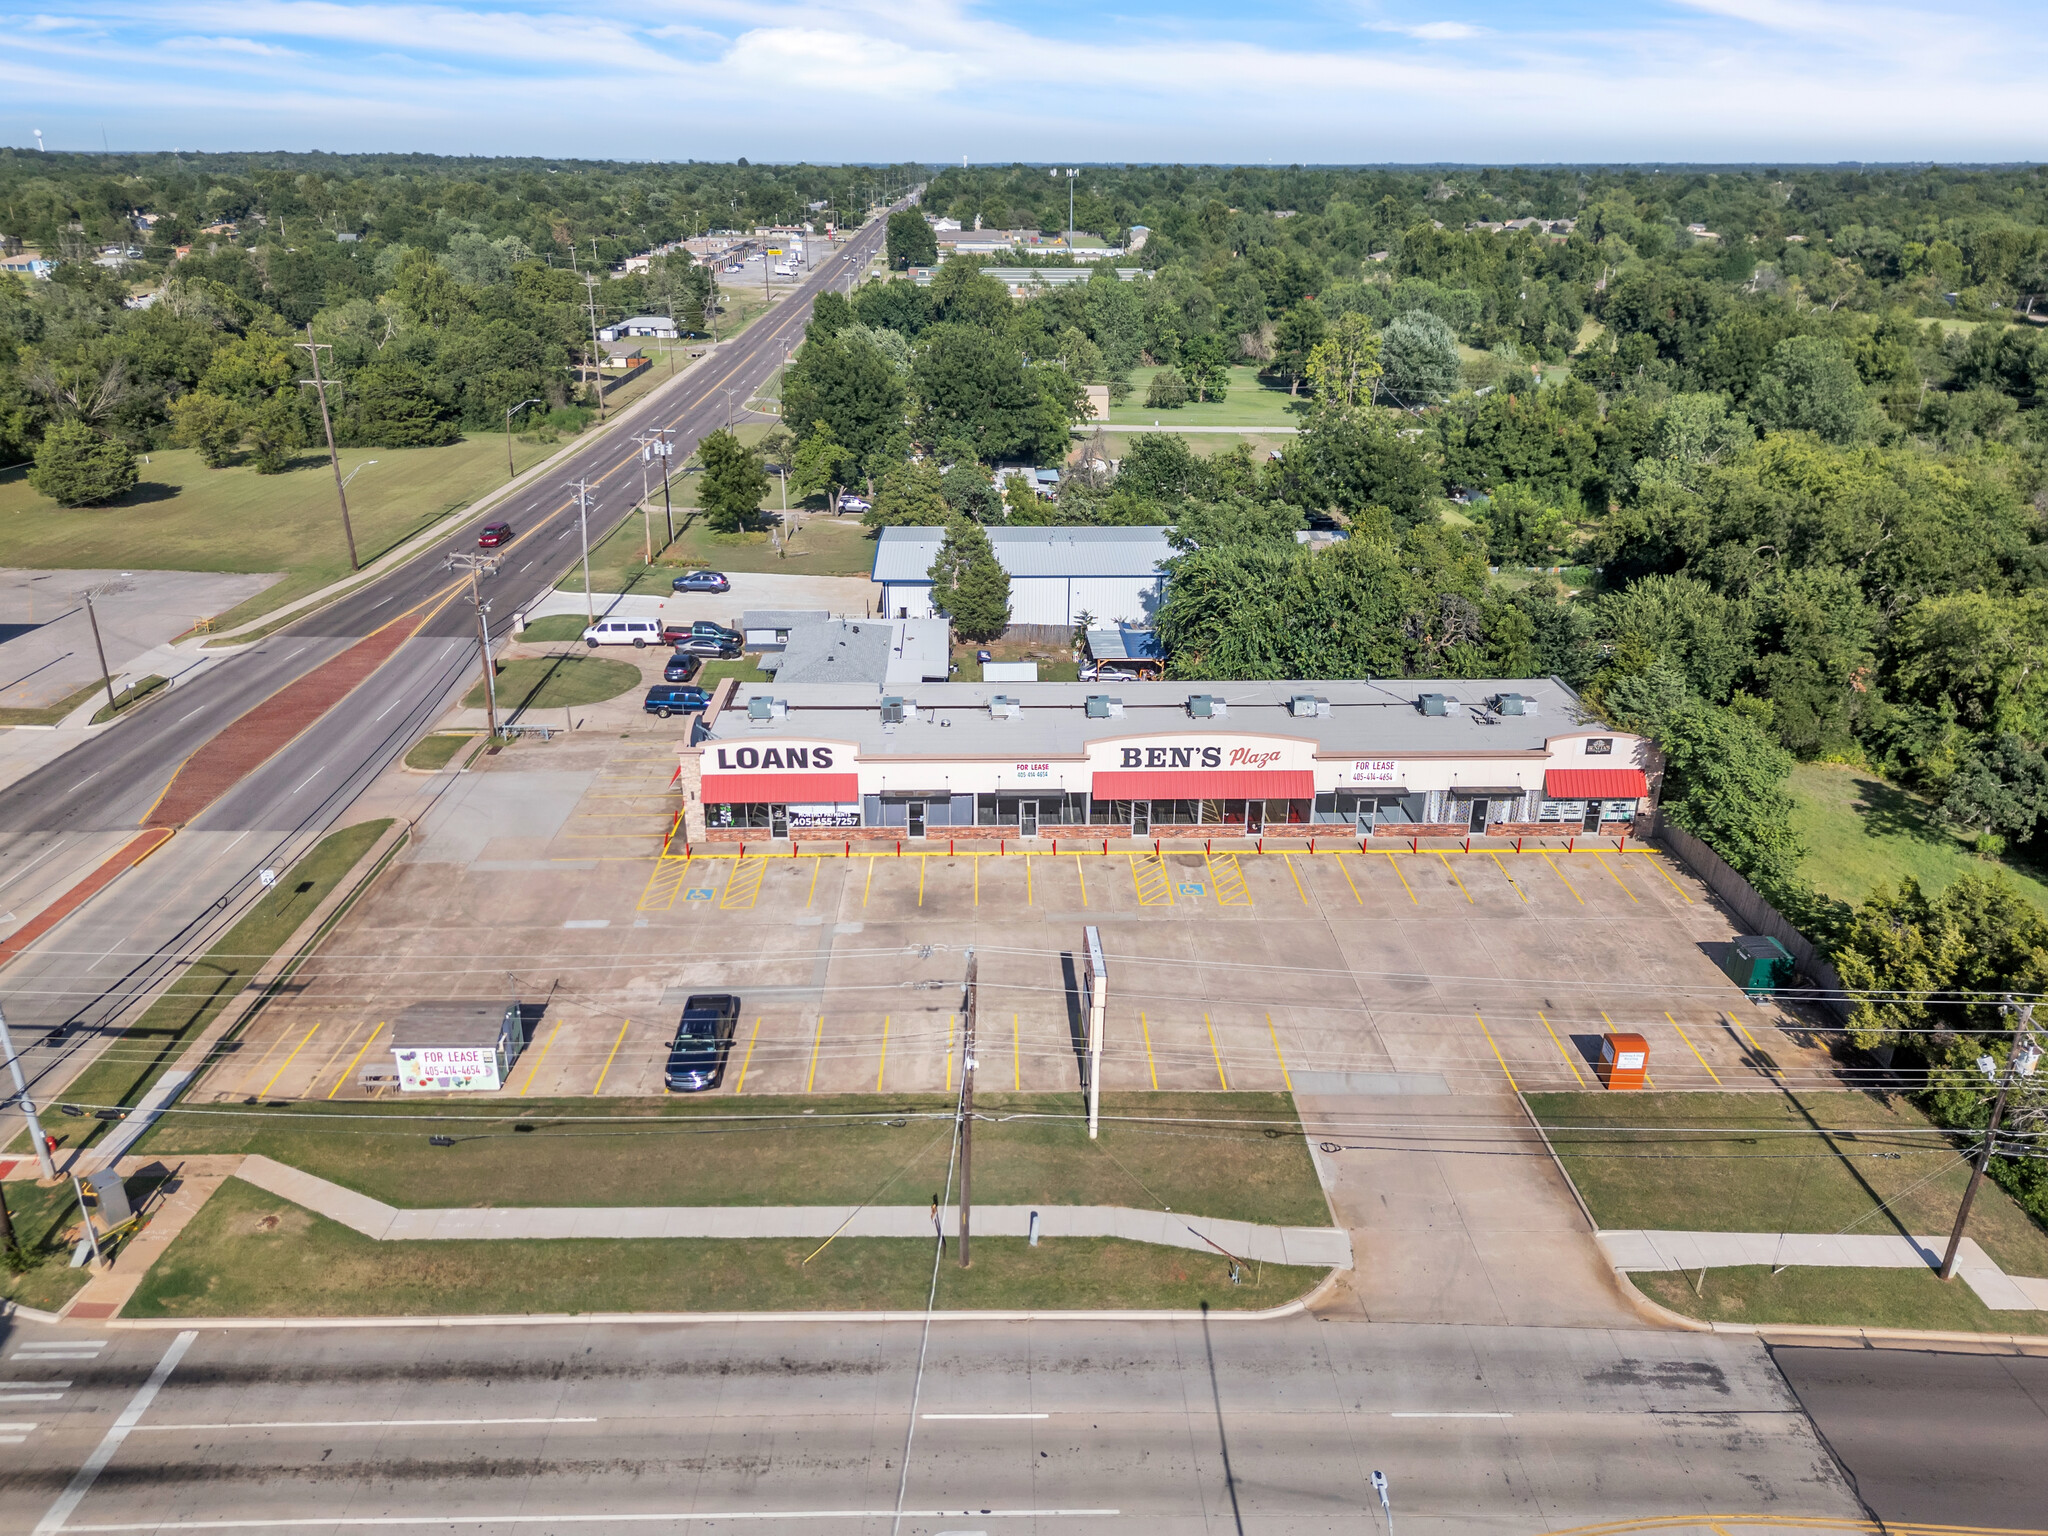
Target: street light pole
510, 412
106, 677
28, 1108
315, 348
582, 489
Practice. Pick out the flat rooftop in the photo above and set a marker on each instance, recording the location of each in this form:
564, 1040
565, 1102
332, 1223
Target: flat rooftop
1365, 718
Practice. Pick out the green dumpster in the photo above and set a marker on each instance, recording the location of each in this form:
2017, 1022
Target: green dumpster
1758, 964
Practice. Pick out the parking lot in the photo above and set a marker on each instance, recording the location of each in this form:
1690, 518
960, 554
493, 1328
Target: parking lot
1410, 971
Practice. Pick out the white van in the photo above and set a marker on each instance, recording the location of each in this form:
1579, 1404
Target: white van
635, 632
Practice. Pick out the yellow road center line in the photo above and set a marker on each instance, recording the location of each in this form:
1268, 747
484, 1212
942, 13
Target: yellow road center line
817, 1044
1404, 882
1631, 895
1084, 879
1016, 1054
1288, 860
1277, 1056
748, 1059
817, 864
1215, 1051
1339, 857
1577, 1077
1504, 1072
883, 1065
352, 1065
1693, 1048
1657, 863
1454, 874
605, 1070
1510, 878
1567, 884
287, 1062
534, 1070
1151, 1066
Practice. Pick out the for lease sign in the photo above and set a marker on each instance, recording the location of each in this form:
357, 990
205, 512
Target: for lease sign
1375, 770
447, 1069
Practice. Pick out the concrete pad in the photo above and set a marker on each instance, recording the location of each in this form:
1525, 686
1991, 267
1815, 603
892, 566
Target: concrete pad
1996, 1290
2034, 1289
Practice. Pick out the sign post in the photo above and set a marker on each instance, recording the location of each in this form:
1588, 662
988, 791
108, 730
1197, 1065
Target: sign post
1098, 1005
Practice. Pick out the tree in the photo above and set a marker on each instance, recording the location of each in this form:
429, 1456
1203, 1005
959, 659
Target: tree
1420, 354
1203, 361
973, 388
1724, 782
2001, 792
1360, 459
77, 467
394, 405
1811, 386
969, 585
733, 483
1345, 363
822, 465
1299, 333
912, 495
210, 423
1168, 391
846, 385
276, 428
1525, 526
911, 241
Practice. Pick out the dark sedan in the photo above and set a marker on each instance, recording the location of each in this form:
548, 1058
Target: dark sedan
701, 581
696, 1059
681, 668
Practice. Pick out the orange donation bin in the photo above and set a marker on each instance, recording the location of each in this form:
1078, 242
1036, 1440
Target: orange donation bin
1624, 1061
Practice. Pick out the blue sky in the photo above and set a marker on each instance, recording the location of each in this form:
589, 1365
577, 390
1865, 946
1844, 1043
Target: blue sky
1194, 80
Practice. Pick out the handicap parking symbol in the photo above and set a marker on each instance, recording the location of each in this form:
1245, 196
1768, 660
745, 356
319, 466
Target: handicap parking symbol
702, 894
1191, 887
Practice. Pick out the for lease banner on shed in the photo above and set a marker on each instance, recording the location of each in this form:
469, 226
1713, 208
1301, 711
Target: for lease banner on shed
447, 1069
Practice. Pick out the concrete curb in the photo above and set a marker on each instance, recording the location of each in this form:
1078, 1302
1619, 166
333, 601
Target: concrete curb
1873, 1338
671, 1319
14, 1309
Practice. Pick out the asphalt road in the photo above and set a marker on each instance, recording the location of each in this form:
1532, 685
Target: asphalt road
1063, 1427
132, 936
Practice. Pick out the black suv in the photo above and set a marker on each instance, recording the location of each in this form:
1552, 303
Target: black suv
696, 1061
665, 699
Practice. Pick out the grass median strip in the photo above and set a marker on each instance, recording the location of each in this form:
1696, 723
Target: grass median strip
434, 753
249, 1254
556, 682
136, 1057
1203, 1154
1892, 1298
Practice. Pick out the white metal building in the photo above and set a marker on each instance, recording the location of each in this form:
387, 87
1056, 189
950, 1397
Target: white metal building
1056, 574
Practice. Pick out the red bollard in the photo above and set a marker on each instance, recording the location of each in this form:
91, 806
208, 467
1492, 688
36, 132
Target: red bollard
899, 847
1571, 844
1415, 845
949, 847
1622, 846
1311, 846
1105, 847
1205, 847
1055, 846
1518, 845
1468, 842
1260, 845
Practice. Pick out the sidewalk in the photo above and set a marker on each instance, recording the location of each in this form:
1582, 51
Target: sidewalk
1678, 1251
1316, 1246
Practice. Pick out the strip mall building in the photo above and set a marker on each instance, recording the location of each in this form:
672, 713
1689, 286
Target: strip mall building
1047, 761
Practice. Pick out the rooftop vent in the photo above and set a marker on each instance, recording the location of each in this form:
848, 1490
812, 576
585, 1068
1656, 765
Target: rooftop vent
892, 711
1514, 704
1432, 703
1206, 706
1101, 706
1004, 708
1306, 706
763, 708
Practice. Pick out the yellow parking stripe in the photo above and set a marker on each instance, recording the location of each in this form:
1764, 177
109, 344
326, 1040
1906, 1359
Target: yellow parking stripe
1027, 879
1567, 1055
920, 878
883, 1065
1226, 878
1277, 1056
1454, 874
1693, 1048
1657, 863
1151, 1066
817, 1044
748, 1059
352, 1064
534, 1070
287, 1062
1149, 878
1216, 1052
1504, 1072
663, 884
605, 1071
1631, 895
1404, 882
1347, 878
1288, 860
1510, 878
870, 884
1567, 884
817, 864
1084, 879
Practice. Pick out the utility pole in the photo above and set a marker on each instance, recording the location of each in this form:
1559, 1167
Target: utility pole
28, 1108
967, 1109
478, 567
327, 423
590, 282
582, 490
654, 445
2026, 1056
105, 676
1098, 1010
667, 450
1070, 206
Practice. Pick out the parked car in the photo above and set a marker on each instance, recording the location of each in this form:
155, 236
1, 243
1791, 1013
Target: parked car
494, 534
707, 645
696, 1059
701, 581
675, 632
681, 668
640, 633
1104, 673
855, 504
734, 266
665, 699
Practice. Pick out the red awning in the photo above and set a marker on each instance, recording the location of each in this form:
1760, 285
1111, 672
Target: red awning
1206, 784
1595, 784
781, 788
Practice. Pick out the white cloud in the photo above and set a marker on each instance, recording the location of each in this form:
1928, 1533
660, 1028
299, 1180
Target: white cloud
1429, 31
231, 45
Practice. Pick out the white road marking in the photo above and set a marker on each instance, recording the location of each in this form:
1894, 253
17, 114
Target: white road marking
388, 708
32, 863
34, 1397
13, 1439
984, 1415
85, 781
650, 1518
1452, 1415
16, 1426
40, 1386
82, 1480
300, 651
527, 567
365, 1423
588, 922
195, 713
312, 776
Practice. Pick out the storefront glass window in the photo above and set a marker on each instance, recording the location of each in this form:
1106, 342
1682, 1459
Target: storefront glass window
744, 814
1289, 810
1109, 813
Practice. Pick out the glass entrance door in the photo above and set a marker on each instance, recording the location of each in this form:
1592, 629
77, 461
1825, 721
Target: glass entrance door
1141, 818
778, 821
1478, 821
1254, 817
1027, 818
1592, 816
915, 818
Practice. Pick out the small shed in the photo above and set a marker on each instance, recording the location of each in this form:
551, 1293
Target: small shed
457, 1045
1124, 645
767, 629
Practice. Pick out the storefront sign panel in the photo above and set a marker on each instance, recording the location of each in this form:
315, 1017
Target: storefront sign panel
447, 1069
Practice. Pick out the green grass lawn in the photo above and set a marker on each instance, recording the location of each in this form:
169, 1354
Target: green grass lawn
742, 667
1900, 1298
1247, 403
556, 682
1155, 1151
1202, 444
41, 1218
1056, 663
136, 1057
436, 752
819, 546
142, 689
51, 714
1742, 1173
186, 517
249, 1254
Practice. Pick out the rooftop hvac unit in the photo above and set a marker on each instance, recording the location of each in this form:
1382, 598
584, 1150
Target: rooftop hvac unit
1306, 706
1514, 704
1432, 703
892, 711
1003, 708
1206, 706
1101, 706
761, 708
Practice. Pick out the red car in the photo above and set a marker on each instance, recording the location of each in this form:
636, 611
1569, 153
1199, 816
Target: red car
493, 535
